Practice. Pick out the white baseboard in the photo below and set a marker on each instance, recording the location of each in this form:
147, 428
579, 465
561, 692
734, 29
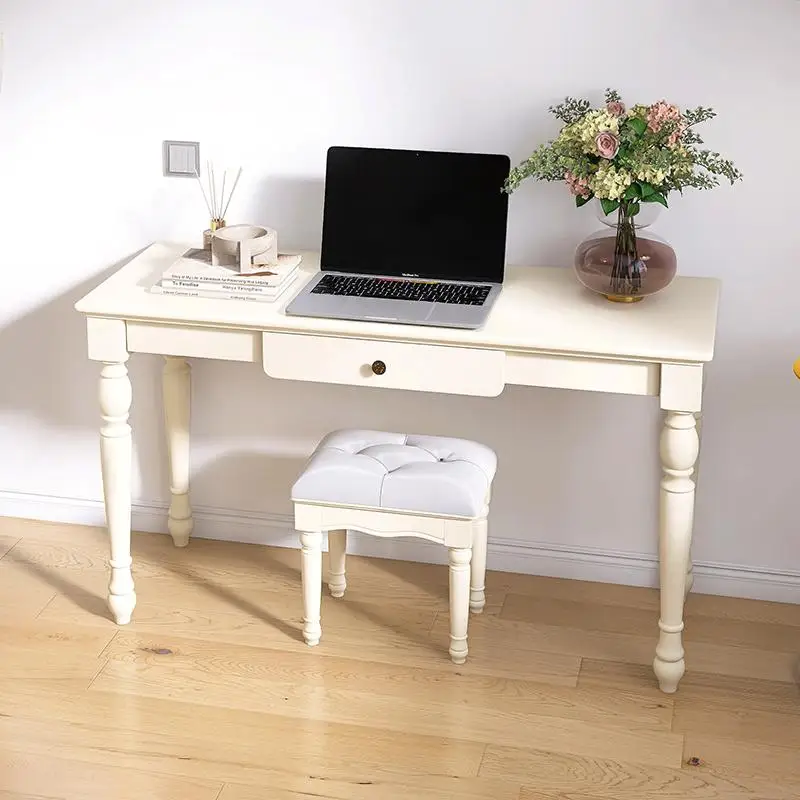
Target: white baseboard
505, 555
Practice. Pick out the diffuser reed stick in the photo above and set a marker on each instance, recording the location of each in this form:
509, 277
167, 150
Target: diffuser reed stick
238, 175
216, 203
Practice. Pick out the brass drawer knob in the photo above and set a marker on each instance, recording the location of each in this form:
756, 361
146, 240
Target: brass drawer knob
378, 367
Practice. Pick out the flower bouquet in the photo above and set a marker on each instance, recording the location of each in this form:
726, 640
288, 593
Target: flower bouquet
625, 158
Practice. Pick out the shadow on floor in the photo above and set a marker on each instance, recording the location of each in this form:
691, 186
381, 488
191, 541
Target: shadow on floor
85, 599
233, 599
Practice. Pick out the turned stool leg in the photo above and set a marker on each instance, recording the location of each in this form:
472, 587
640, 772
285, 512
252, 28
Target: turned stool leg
337, 547
477, 589
459, 602
311, 570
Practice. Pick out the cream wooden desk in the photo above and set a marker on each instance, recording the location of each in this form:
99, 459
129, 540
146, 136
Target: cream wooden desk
545, 330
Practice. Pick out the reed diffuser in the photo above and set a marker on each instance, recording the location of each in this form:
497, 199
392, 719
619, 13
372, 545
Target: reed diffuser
217, 204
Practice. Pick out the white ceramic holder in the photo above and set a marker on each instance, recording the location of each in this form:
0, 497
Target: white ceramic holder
247, 248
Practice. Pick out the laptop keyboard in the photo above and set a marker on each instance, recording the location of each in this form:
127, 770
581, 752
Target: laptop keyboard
464, 294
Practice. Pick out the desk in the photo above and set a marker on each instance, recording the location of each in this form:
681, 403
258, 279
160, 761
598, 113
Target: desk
545, 330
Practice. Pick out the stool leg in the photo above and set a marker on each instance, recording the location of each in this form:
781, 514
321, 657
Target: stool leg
477, 589
311, 570
337, 547
459, 602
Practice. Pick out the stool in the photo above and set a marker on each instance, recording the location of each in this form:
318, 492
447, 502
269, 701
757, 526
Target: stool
396, 484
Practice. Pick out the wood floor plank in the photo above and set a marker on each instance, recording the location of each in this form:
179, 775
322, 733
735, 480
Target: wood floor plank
271, 614
604, 646
208, 578
755, 762
617, 779
640, 622
74, 559
48, 639
443, 788
742, 608
618, 708
703, 688
22, 596
227, 745
580, 616
238, 565
6, 543
4, 795
716, 720
588, 592
230, 681
19, 527
54, 777
620, 675
373, 632
41, 653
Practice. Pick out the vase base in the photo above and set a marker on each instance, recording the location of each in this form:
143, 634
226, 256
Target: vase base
623, 298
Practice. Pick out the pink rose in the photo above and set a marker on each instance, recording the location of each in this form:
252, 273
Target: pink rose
578, 186
607, 144
616, 108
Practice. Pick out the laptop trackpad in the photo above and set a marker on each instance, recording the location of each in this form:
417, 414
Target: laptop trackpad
385, 310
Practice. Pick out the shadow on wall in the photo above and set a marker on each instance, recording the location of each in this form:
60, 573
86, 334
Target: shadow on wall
49, 379
293, 207
45, 353
256, 482
53, 382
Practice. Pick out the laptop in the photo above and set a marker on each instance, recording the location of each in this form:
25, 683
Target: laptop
416, 237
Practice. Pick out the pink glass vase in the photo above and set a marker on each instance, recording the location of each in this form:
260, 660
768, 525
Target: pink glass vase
625, 261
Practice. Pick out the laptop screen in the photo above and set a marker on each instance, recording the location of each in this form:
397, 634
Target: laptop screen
415, 213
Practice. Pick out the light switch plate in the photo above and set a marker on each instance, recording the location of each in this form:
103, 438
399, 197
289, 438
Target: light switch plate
181, 158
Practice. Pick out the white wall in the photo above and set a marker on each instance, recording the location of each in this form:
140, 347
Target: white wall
92, 87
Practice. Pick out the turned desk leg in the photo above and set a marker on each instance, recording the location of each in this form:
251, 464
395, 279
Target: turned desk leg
679, 449
177, 391
690, 565
115, 461
689, 577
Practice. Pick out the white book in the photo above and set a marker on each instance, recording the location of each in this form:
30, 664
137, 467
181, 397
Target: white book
221, 294
195, 265
230, 285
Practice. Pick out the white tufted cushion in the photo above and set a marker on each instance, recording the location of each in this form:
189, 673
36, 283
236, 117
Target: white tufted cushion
429, 474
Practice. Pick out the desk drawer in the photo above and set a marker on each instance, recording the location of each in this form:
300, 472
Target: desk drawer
391, 365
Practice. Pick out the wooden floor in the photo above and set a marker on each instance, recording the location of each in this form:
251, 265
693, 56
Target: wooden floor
210, 692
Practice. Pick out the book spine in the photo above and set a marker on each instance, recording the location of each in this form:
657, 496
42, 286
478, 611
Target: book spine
222, 286
216, 294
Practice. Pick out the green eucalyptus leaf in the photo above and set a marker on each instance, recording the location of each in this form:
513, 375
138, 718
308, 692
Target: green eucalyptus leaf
647, 189
633, 209
609, 205
582, 201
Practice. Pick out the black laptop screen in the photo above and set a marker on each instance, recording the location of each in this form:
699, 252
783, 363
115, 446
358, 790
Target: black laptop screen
415, 213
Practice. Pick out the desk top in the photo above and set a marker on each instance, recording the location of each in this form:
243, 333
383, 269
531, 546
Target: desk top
540, 309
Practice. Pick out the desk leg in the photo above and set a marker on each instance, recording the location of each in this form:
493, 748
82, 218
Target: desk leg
177, 391
115, 461
690, 566
679, 449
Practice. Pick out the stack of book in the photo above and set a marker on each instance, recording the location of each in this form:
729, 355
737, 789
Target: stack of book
193, 275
